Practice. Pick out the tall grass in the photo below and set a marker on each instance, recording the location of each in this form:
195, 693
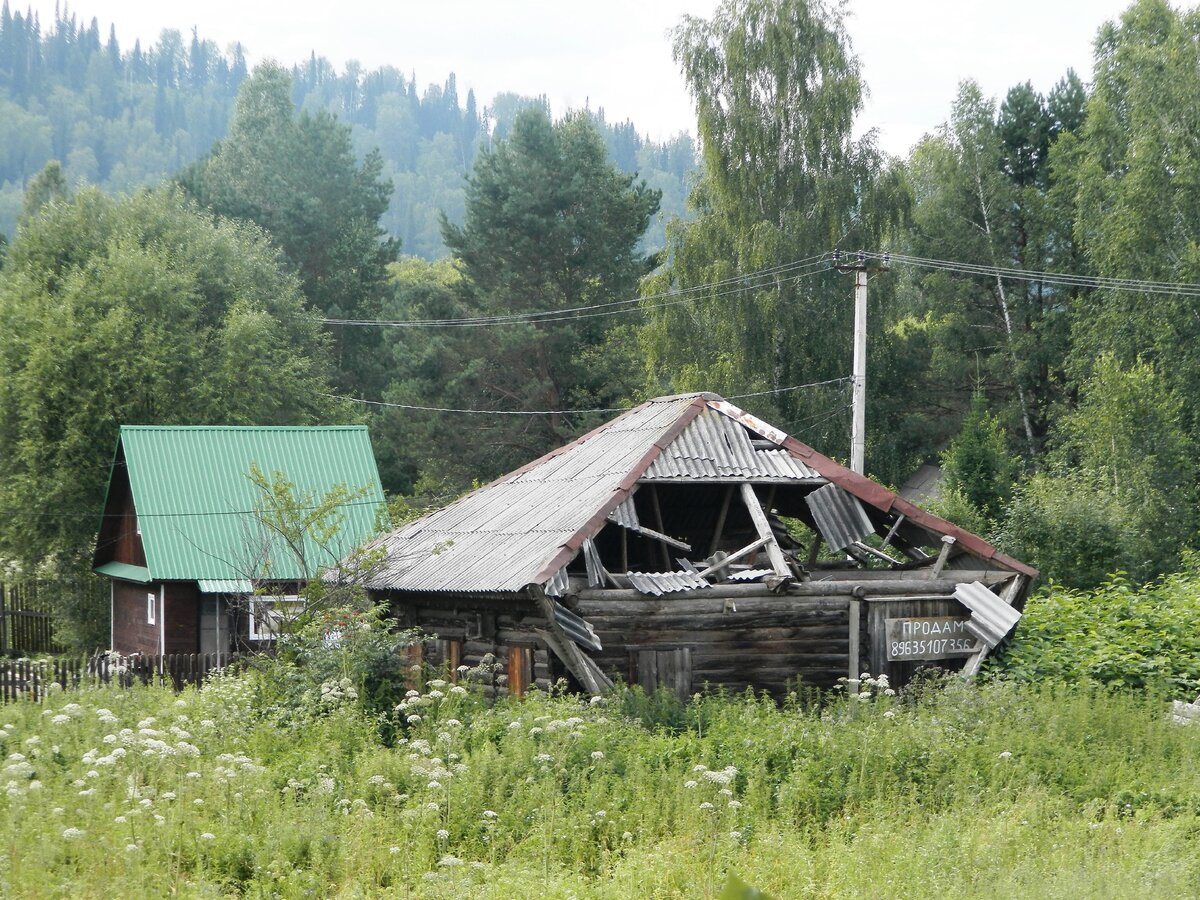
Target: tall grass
996, 790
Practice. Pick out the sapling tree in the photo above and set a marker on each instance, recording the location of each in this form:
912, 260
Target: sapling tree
335, 645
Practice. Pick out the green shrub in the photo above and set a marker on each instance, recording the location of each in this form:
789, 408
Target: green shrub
1118, 634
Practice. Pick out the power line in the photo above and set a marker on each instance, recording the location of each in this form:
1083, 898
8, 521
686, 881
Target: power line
1069, 279
796, 269
560, 412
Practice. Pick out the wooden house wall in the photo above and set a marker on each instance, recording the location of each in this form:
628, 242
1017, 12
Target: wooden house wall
767, 642
131, 632
119, 540
879, 610
182, 603
479, 629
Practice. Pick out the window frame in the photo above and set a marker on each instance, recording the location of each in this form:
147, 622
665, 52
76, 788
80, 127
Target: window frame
261, 603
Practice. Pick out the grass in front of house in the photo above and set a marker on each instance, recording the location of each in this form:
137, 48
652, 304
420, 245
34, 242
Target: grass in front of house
995, 790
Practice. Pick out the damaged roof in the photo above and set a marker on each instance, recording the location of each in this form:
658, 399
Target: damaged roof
523, 528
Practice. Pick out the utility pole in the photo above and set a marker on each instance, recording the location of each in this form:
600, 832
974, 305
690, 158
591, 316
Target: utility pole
858, 422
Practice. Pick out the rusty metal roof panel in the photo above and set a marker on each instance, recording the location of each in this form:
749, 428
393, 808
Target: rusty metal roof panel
659, 583
991, 618
839, 516
715, 446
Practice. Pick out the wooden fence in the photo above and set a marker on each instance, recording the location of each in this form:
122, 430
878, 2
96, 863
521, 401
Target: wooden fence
32, 679
25, 625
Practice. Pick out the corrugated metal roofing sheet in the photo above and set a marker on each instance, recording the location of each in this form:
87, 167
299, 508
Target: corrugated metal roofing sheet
230, 586
839, 516
716, 446
751, 574
523, 528
659, 583
196, 504
503, 536
991, 618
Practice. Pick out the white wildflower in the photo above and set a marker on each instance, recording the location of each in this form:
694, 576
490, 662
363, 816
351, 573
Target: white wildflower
207, 836
72, 834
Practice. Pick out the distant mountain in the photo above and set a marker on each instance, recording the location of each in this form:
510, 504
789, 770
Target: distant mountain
124, 118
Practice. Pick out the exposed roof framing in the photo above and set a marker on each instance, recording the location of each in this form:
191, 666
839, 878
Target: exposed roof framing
524, 528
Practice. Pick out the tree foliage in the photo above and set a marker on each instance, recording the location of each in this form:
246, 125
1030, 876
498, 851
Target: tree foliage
776, 89
550, 225
141, 310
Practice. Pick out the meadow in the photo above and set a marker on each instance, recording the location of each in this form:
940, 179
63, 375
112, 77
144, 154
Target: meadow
989, 790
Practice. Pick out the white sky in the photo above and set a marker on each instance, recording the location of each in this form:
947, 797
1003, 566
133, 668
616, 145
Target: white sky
617, 53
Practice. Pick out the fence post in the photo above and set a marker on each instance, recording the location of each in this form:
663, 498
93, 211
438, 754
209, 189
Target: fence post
3, 618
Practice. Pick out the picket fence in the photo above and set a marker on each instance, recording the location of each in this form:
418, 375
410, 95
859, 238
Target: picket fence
33, 679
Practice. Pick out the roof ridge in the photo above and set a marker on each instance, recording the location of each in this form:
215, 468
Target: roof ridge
243, 427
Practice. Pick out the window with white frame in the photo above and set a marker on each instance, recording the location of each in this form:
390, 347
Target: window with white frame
151, 604
268, 612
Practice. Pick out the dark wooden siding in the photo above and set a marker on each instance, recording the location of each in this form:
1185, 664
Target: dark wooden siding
131, 632
183, 617
766, 642
119, 540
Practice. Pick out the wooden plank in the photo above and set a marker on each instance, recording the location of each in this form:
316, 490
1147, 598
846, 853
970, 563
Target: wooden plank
854, 653
763, 527
733, 557
943, 555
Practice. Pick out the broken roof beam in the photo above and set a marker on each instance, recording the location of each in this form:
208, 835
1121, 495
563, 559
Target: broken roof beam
763, 527
733, 557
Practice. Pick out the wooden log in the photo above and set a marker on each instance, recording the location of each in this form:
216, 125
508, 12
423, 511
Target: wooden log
855, 653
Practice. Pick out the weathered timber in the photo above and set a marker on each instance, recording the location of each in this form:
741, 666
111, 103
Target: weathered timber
830, 589
733, 557
943, 555
918, 579
763, 527
854, 651
738, 635
631, 603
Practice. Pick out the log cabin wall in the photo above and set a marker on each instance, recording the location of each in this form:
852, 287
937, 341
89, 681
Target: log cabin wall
478, 629
767, 642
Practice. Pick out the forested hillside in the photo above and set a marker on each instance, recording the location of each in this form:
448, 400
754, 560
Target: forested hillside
120, 117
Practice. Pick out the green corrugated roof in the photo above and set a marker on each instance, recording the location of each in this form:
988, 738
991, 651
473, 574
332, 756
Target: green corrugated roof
196, 504
125, 572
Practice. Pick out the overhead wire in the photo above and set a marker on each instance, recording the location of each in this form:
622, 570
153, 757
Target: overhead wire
725, 287
1070, 279
563, 412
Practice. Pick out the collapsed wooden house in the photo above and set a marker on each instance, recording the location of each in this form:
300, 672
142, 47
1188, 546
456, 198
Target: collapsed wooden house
686, 543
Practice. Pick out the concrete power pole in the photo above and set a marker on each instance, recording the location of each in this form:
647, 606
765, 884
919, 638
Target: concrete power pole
858, 422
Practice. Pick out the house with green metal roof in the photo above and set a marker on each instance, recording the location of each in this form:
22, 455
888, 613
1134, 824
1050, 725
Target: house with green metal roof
183, 540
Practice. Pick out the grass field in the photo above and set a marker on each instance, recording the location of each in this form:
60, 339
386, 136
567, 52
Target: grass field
996, 790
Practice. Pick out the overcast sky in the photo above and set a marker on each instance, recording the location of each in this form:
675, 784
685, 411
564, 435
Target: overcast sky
617, 53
